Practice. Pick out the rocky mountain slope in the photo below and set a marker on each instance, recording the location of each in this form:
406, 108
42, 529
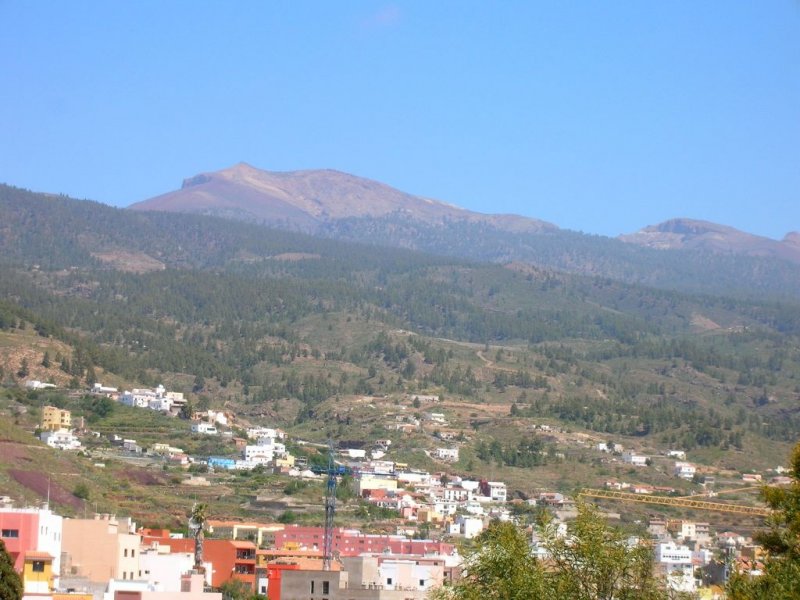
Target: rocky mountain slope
682, 255
307, 200
703, 235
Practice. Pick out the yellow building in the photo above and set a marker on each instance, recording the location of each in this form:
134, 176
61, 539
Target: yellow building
287, 461
429, 515
54, 418
37, 573
371, 482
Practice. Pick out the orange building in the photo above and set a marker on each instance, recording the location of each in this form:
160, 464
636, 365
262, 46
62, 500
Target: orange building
231, 559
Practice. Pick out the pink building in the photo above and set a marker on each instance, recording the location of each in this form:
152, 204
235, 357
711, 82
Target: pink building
352, 542
31, 530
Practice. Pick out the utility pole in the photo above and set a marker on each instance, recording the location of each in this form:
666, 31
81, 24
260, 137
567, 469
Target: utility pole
330, 509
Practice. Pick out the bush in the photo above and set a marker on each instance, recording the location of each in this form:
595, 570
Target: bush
81, 491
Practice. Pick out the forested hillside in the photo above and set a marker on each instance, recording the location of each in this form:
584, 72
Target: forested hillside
693, 271
291, 328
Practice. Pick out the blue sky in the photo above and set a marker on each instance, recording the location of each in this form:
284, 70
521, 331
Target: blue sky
602, 117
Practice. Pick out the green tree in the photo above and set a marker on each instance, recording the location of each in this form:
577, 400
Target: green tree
597, 562
501, 567
234, 589
10, 582
781, 577
593, 561
23, 371
345, 489
81, 491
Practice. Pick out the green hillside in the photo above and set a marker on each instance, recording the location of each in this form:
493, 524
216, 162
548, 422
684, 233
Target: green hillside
330, 339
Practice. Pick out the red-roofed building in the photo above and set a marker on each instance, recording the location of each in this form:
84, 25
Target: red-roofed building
156, 538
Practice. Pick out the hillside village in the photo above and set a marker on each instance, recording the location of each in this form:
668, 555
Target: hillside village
110, 557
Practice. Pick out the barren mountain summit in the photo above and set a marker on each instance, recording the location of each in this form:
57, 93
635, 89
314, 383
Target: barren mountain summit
309, 199
704, 235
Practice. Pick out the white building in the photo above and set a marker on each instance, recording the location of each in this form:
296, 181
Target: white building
99, 388
278, 449
497, 491
204, 428
164, 570
447, 454
455, 494
679, 454
637, 460
382, 467
354, 453
34, 384
470, 526
259, 432
137, 397
474, 507
675, 562
162, 404
685, 470
61, 439
258, 454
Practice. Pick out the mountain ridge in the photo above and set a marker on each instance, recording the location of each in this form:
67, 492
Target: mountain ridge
331, 202
697, 234
309, 199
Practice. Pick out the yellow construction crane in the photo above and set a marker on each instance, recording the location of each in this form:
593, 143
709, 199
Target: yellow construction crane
679, 501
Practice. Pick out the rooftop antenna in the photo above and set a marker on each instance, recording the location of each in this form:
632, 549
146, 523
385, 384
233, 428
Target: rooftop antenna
330, 509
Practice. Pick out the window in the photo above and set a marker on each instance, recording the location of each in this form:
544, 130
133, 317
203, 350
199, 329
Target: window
125, 553
388, 581
422, 583
133, 552
9, 533
38, 566
326, 587
312, 587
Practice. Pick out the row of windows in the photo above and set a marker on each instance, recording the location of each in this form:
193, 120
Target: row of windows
9, 533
